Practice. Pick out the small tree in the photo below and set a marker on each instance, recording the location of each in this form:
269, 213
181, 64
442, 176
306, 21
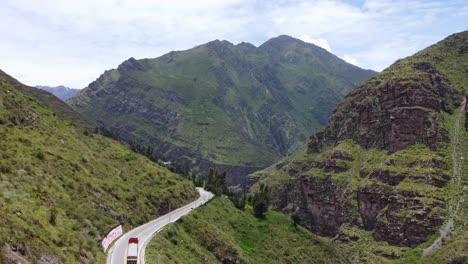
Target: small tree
238, 200
53, 216
295, 218
216, 182
260, 207
210, 181
260, 202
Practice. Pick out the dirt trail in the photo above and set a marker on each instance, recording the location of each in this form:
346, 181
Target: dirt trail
456, 174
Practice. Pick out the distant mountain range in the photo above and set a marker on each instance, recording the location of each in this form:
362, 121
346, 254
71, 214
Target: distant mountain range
236, 107
60, 91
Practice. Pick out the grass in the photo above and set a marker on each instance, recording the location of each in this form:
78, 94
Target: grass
219, 232
63, 188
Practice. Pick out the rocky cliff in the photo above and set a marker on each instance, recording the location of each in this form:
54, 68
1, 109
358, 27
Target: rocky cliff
238, 107
383, 163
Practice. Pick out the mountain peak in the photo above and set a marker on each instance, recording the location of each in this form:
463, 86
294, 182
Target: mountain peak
60, 91
286, 43
218, 45
285, 37
282, 40
132, 65
246, 45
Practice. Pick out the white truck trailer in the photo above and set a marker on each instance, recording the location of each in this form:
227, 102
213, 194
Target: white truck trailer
132, 252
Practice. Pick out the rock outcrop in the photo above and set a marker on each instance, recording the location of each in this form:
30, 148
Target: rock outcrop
393, 114
383, 162
379, 201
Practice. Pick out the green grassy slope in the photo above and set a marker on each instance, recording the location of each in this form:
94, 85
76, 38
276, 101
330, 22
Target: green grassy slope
62, 188
220, 233
235, 105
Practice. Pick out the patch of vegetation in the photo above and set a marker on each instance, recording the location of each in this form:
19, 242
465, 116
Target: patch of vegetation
219, 232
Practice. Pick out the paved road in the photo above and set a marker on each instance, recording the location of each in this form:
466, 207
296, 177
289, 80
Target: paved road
144, 233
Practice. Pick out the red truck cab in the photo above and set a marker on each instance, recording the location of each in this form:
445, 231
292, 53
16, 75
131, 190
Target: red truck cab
132, 251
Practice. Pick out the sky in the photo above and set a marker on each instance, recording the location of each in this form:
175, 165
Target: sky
58, 42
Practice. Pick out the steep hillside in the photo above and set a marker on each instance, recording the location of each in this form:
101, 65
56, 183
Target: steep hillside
48, 100
237, 106
63, 187
220, 233
60, 91
389, 165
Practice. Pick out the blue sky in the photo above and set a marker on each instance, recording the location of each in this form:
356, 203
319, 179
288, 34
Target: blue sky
52, 42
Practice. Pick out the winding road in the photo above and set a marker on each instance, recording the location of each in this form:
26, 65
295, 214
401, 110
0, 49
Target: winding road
118, 252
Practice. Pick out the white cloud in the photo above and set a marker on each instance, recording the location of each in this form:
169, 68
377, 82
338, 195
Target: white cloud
321, 42
55, 42
349, 59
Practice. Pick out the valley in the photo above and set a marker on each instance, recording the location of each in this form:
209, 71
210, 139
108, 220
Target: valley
318, 132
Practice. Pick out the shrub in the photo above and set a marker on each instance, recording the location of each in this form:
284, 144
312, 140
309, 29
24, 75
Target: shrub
53, 216
40, 155
260, 202
5, 168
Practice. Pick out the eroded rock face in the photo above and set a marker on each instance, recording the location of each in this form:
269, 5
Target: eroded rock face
386, 176
374, 202
371, 201
393, 115
398, 217
324, 203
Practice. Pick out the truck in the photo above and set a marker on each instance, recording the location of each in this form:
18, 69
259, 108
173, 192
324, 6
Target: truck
132, 251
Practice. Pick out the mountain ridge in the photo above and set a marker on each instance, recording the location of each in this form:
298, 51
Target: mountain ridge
239, 107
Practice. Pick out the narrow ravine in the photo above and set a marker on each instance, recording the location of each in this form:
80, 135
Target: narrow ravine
455, 184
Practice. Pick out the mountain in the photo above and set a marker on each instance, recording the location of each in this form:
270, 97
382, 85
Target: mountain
236, 107
60, 91
64, 187
388, 169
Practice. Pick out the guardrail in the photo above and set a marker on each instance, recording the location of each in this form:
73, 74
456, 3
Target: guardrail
111, 236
